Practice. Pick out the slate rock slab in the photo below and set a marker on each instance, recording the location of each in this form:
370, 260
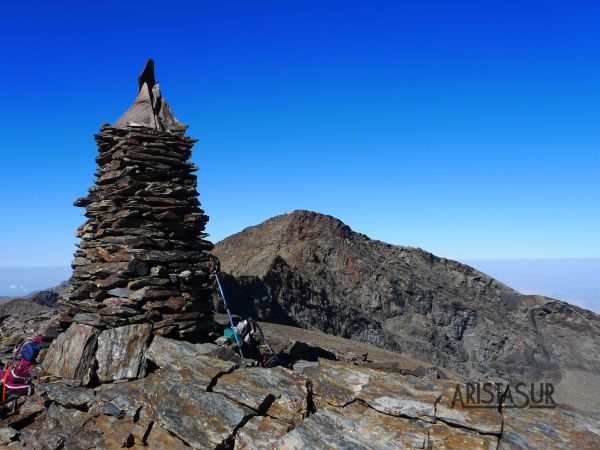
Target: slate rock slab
328, 429
382, 430
483, 420
201, 419
70, 397
399, 395
260, 433
444, 437
71, 354
279, 392
358, 426
159, 438
119, 399
116, 433
550, 429
339, 383
121, 352
187, 359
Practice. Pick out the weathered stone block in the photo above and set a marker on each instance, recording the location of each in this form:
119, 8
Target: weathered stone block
71, 354
278, 392
121, 352
188, 359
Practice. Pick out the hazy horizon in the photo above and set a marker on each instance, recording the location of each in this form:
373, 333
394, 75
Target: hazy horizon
574, 280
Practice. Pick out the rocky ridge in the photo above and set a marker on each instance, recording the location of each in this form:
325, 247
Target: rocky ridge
205, 396
310, 270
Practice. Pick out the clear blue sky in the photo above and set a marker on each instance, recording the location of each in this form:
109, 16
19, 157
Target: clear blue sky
470, 129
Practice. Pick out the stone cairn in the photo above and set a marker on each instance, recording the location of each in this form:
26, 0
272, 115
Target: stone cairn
142, 266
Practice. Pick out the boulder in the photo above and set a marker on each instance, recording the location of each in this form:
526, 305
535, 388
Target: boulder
71, 354
299, 350
121, 352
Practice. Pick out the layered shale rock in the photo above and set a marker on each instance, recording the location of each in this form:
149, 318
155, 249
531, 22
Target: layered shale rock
193, 398
71, 355
120, 353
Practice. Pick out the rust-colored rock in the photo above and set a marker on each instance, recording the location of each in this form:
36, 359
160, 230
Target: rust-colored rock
483, 420
71, 354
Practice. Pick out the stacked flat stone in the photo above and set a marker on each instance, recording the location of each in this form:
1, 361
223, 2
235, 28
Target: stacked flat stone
143, 255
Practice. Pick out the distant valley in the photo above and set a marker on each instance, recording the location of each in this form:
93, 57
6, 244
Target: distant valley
575, 280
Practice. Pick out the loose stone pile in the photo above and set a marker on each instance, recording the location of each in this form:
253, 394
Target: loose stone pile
142, 256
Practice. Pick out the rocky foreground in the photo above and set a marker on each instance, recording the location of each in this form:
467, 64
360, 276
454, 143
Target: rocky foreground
205, 396
311, 270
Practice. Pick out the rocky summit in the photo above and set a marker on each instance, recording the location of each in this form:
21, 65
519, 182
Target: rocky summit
203, 396
311, 270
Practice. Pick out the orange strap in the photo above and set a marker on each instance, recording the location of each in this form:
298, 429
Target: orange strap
4, 383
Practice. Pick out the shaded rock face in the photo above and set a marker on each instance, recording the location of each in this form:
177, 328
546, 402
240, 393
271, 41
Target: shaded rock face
142, 254
311, 270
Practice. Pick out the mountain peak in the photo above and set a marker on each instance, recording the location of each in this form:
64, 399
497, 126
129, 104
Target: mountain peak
311, 270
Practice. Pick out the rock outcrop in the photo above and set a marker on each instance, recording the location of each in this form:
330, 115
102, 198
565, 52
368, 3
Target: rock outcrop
205, 402
193, 395
72, 354
310, 270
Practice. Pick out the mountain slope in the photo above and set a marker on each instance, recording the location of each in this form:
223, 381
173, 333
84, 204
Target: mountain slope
311, 270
